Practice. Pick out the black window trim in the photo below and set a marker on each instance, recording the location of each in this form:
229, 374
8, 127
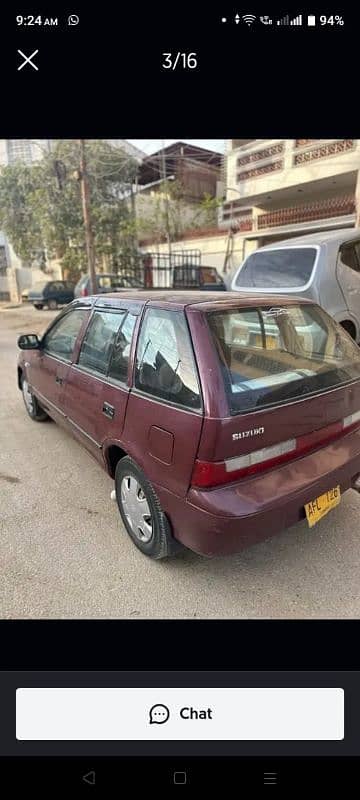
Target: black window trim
136, 390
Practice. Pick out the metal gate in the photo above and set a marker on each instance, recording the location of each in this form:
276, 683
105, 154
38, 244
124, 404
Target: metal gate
175, 270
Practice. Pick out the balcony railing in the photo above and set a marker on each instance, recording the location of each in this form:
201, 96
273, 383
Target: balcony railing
325, 150
322, 209
260, 155
258, 172
264, 160
294, 215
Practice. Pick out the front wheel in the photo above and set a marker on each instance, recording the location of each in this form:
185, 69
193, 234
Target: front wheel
38, 306
141, 512
31, 404
52, 305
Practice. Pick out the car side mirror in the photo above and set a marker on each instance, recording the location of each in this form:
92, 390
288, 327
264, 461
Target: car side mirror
28, 341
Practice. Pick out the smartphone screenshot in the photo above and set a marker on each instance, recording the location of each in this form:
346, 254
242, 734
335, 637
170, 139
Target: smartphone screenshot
179, 399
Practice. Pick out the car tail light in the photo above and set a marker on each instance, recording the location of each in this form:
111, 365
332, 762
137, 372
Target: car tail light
207, 474
84, 292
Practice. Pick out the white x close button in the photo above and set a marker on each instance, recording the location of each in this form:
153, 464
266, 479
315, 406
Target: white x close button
28, 60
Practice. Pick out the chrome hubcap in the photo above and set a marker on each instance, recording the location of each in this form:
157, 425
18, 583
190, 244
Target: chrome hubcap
136, 508
29, 402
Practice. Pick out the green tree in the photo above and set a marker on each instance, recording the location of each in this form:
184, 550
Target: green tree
169, 209
40, 205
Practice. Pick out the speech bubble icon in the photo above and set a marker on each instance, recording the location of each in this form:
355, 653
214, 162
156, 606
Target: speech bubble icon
159, 714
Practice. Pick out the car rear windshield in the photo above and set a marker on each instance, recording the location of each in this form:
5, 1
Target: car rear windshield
274, 355
283, 268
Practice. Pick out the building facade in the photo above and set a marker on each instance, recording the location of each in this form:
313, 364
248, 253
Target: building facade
279, 188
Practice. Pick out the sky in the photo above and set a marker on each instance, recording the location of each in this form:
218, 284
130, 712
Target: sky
152, 145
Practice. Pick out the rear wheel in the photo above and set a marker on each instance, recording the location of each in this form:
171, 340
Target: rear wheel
31, 404
38, 306
52, 305
141, 512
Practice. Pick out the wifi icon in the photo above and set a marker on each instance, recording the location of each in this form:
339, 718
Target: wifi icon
249, 19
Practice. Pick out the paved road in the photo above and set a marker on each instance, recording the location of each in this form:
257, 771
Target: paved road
64, 552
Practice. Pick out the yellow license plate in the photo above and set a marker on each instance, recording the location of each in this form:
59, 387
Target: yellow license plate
318, 508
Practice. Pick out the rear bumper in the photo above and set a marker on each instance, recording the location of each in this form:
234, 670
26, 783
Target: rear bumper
230, 518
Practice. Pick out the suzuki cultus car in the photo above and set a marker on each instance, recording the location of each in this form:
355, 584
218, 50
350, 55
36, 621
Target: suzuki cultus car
222, 418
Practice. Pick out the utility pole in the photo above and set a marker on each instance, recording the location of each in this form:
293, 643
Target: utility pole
85, 199
167, 221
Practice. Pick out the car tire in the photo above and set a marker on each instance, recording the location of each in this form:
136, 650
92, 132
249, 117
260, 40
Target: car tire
141, 512
38, 306
31, 404
52, 305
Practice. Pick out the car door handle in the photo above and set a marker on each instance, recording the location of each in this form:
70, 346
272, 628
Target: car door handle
108, 410
59, 380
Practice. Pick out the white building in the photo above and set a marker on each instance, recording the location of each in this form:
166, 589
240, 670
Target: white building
278, 188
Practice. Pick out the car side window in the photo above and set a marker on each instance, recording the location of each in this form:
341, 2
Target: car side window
99, 340
165, 366
120, 355
349, 256
60, 341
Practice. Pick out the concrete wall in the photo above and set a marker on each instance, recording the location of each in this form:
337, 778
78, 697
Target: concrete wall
213, 249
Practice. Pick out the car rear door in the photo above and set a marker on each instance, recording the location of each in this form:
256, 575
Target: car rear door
97, 390
164, 414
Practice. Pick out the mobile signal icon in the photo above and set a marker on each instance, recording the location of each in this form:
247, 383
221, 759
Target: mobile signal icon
249, 18
284, 20
297, 20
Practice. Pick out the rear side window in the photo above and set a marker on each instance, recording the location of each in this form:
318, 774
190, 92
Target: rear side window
349, 254
165, 366
96, 349
285, 268
274, 355
121, 351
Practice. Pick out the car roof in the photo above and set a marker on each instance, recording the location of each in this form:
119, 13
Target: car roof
340, 236
199, 300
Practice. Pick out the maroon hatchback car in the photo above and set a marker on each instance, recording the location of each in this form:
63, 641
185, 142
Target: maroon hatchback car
222, 418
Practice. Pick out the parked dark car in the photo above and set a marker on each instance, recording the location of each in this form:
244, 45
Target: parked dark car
222, 418
197, 277
106, 282
51, 294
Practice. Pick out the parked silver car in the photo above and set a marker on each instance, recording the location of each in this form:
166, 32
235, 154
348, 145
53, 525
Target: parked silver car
322, 266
